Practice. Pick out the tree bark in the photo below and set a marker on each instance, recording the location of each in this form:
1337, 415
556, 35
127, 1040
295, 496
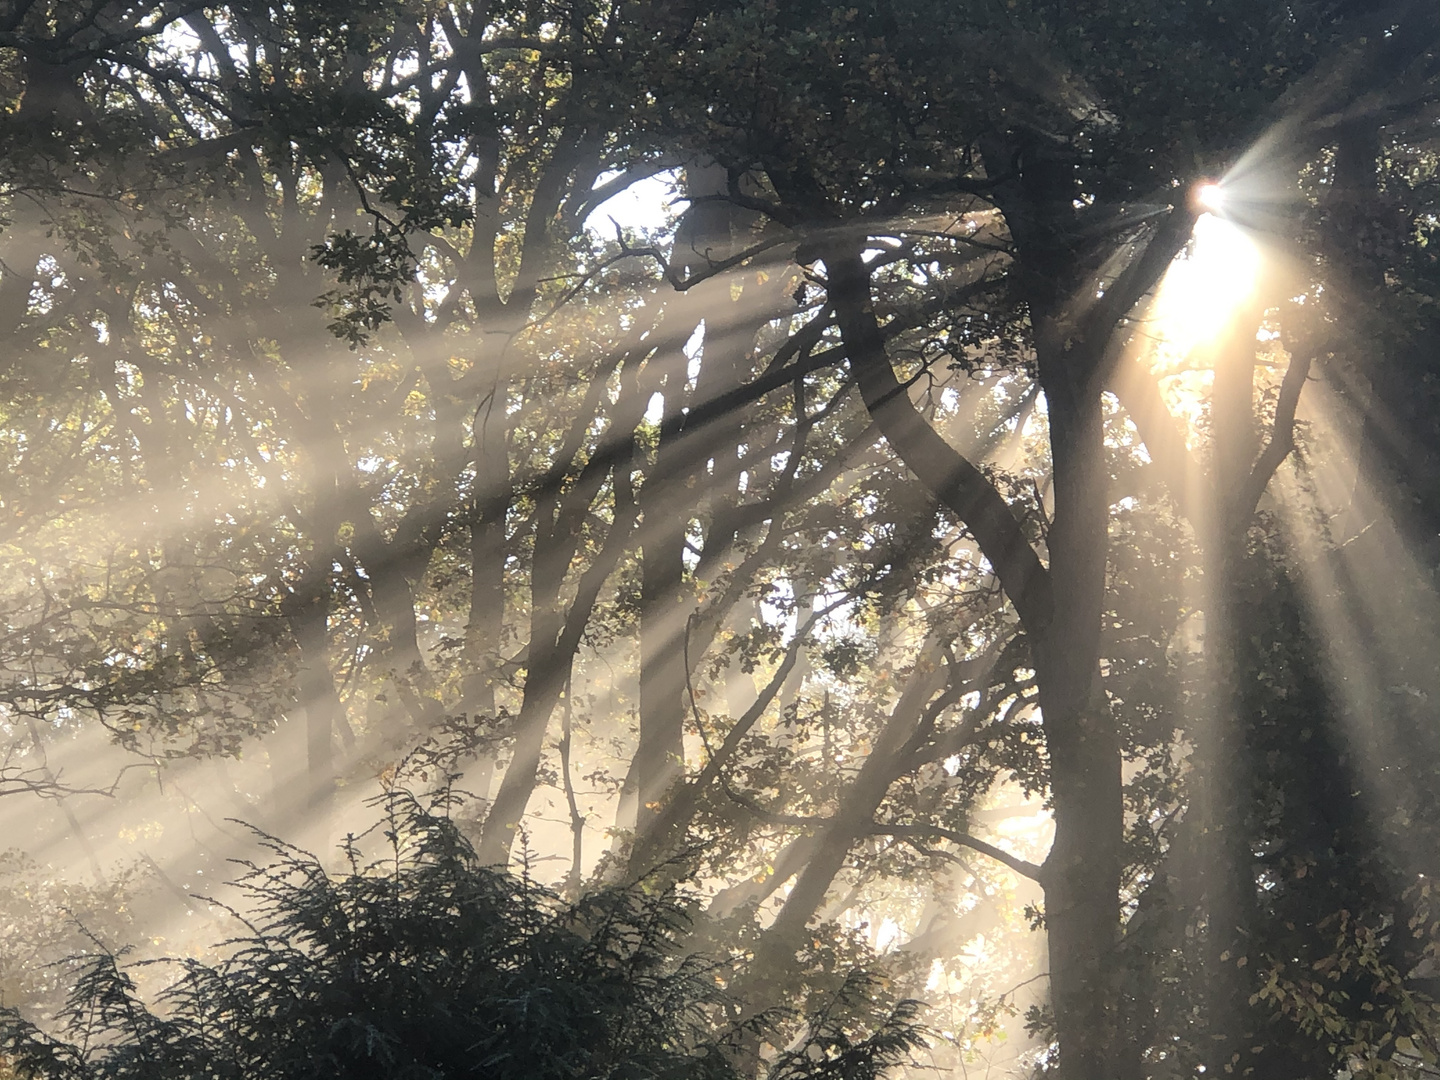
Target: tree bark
1082, 872
1060, 606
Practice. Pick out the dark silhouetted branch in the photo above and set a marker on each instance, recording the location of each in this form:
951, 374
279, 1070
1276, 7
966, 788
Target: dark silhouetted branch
1023, 867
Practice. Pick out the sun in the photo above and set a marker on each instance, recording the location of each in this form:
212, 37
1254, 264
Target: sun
1208, 197
1204, 288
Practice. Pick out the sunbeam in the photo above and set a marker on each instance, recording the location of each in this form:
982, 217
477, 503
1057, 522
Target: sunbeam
1205, 288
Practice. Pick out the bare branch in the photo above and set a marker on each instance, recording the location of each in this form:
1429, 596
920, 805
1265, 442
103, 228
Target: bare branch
1023, 867
1282, 433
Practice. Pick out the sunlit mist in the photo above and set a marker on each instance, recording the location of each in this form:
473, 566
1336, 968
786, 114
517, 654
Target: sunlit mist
883, 526
1204, 287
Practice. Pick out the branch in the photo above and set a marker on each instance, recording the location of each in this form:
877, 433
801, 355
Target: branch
714, 268
602, 192
772, 210
782, 371
1164, 439
1023, 867
1282, 433
950, 477
546, 201
677, 812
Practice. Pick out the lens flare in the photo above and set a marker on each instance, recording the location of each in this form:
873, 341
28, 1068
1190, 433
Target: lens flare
1209, 198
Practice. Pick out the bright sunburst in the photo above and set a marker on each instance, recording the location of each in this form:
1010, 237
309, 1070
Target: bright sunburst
1202, 291
1197, 304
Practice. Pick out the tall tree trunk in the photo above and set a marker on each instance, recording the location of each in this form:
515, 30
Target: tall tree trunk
665, 501
1082, 872
547, 672
1061, 610
1224, 787
308, 616
485, 627
1060, 607
556, 628
678, 486
660, 754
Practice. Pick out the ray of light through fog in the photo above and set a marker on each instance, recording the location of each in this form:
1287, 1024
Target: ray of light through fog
1220, 271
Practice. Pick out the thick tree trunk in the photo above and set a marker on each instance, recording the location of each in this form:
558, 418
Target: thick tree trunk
1082, 872
1061, 610
1224, 788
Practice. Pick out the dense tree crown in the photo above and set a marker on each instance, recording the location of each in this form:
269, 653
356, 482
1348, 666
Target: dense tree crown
798, 509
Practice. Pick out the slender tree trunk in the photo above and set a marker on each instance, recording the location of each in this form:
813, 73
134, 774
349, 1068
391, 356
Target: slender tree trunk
308, 618
547, 673
485, 627
556, 628
660, 753
862, 798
